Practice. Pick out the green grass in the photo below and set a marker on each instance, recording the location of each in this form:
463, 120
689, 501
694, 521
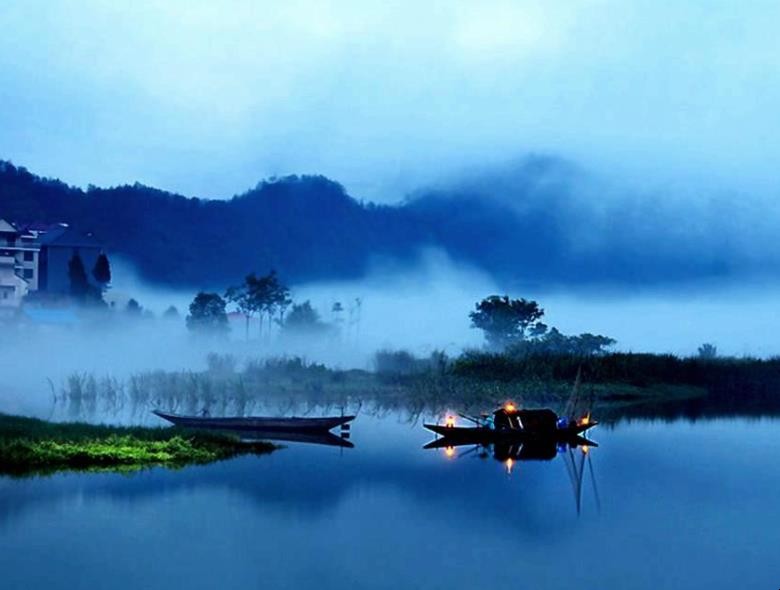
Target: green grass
30, 446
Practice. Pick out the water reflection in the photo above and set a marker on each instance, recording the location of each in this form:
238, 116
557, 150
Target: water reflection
676, 498
575, 452
325, 438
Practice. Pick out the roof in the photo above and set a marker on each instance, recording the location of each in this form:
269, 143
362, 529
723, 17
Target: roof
40, 226
69, 237
7, 228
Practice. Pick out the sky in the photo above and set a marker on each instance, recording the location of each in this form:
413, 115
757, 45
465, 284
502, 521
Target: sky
208, 98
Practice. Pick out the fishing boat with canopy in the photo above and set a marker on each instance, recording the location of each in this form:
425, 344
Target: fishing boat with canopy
509, 422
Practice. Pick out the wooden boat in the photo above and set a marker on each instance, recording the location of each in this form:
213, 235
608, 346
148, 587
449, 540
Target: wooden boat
257, 423
482, 432
509, 423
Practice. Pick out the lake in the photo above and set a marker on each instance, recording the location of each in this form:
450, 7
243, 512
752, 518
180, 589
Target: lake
675, 504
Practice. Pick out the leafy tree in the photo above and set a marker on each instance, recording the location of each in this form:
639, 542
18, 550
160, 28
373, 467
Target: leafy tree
280, 296
79, 284
102, 271
133, 308
590, 344
264, 295
80, 288
505, 321
708, 351
207, 314
303, 318
171, 313
554, 342
242, 298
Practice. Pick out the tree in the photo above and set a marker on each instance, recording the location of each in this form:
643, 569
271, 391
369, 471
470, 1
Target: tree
590, 344
280, 297
554, 342
133, 308
303, 318
708, 351
171, 313
79, 284
505, 321
243, 300
263, 295
102, 271
271, 296
207, 314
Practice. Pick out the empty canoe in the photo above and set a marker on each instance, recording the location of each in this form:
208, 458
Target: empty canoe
256, 422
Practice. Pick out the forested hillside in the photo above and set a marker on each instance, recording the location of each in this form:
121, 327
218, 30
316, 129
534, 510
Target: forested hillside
530, 228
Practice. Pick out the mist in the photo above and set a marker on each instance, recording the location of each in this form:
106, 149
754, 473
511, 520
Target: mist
422, 308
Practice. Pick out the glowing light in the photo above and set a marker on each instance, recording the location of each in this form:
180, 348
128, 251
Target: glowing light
586, 420
585, 449
449, 452
450, 421
509, 407
509, 464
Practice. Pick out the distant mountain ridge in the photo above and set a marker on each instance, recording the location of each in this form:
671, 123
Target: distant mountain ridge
531, 226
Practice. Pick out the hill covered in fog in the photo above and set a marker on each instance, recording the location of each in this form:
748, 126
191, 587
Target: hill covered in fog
542, 222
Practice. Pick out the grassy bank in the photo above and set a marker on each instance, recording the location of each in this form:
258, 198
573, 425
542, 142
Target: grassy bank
30, 446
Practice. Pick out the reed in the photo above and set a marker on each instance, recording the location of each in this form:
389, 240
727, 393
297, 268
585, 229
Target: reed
475, 381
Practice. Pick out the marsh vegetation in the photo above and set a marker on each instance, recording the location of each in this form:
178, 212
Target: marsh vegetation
30, 446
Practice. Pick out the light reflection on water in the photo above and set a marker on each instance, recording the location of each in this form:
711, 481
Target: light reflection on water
681, 505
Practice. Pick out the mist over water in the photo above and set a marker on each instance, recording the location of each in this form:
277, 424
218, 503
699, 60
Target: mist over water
421, 309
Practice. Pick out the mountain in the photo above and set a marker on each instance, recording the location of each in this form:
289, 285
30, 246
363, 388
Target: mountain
542, 221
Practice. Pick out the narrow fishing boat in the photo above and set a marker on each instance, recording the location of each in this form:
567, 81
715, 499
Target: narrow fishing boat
509, 422
257, 423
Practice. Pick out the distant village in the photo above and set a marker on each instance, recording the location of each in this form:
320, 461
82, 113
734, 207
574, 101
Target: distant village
35, 258
49, 273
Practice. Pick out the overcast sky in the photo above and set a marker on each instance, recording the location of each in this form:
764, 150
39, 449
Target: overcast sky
207, 98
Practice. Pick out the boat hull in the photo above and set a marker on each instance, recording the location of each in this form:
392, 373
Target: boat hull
478, 433
257, 423
574, 440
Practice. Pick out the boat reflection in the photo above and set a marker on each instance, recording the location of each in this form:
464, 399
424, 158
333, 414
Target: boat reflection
325, 438
575, 452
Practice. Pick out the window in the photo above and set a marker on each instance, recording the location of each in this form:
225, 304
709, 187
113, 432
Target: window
29, 256
28, 273
11, 241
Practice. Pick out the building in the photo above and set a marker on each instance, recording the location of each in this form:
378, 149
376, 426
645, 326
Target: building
57, 246
19, 263
35, 257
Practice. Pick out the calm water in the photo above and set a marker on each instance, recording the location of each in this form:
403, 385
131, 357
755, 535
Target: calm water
675, 505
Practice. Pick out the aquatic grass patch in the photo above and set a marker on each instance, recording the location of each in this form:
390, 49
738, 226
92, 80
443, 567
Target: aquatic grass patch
30, 446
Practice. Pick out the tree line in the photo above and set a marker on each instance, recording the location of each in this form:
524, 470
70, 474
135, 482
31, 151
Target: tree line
515, 326
313, 229
263, 297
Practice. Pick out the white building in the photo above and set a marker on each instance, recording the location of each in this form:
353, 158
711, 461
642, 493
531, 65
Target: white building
19, 252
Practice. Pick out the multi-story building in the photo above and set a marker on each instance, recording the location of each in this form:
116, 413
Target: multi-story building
19, 252
36, 258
